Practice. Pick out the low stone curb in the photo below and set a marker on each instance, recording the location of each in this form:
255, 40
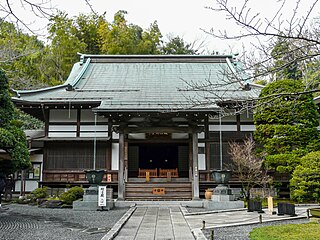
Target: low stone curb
186, 213
254, 222
117, 227
197, 233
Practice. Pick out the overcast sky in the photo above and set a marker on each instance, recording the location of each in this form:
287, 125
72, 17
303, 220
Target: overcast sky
185, 18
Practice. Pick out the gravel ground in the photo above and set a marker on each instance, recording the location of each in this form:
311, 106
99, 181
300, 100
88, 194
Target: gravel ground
242, 232
30, 222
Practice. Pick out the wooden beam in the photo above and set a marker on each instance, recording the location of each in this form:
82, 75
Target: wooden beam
162, 129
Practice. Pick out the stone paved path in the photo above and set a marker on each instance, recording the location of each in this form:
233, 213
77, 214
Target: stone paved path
162, 222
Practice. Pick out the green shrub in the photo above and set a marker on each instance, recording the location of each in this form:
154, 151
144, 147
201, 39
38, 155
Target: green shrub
39, 193
305, 182
71, 195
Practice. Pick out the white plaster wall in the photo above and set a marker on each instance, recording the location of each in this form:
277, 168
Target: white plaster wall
224, 128
247, 128
91, 131
115, 157
92, 128
201, 135
201, 161
62, 128
115, 135
62, 131
62, 134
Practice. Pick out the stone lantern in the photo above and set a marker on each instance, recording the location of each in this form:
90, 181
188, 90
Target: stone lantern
222, 190
222, 197
94, 176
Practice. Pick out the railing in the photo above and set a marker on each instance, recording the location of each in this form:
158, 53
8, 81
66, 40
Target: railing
74, 176
166, 172
143, 172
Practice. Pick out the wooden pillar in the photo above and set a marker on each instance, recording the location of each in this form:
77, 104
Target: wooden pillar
238, 122
195, 169
190, 158
46, 115
121, 186
109, 157
207, 148
126, 162
78, 121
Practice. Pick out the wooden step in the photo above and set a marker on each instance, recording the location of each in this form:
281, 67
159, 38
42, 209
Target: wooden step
145, 191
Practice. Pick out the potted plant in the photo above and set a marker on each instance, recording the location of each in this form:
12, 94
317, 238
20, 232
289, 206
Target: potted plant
208, 193
255, 204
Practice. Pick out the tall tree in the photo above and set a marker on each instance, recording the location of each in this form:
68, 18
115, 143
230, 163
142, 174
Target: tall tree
86, 30
65, 44
119, 37
285, 61
176, 45
286, 124
20, 57
12, 138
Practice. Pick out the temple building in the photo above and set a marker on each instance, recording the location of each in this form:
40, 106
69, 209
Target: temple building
158, 124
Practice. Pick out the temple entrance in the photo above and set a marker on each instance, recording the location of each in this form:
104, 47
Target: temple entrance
158, 156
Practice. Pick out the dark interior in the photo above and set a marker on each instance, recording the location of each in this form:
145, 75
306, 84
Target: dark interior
158, 155
163, 156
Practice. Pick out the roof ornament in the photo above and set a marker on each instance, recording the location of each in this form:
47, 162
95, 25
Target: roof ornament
69, 87
81, 60
247, 87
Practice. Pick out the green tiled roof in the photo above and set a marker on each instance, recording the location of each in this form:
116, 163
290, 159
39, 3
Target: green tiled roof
147, 83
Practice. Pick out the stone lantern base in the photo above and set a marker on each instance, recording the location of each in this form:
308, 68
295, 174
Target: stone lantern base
90, 200
90, 197
222, 198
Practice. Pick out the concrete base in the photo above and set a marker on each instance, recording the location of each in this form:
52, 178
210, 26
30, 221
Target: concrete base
222, 205
90, 201
222, 198
91, 206
85, 206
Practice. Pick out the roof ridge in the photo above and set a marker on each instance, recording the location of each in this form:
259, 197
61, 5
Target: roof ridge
18, 92
81, 73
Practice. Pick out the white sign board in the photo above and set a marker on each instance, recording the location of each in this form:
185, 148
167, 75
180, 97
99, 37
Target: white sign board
102, 196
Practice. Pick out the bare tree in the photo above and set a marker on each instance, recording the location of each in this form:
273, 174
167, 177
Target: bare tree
247, 167
295, 27
11, 11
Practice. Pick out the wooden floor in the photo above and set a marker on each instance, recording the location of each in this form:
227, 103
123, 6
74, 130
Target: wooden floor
174, 190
